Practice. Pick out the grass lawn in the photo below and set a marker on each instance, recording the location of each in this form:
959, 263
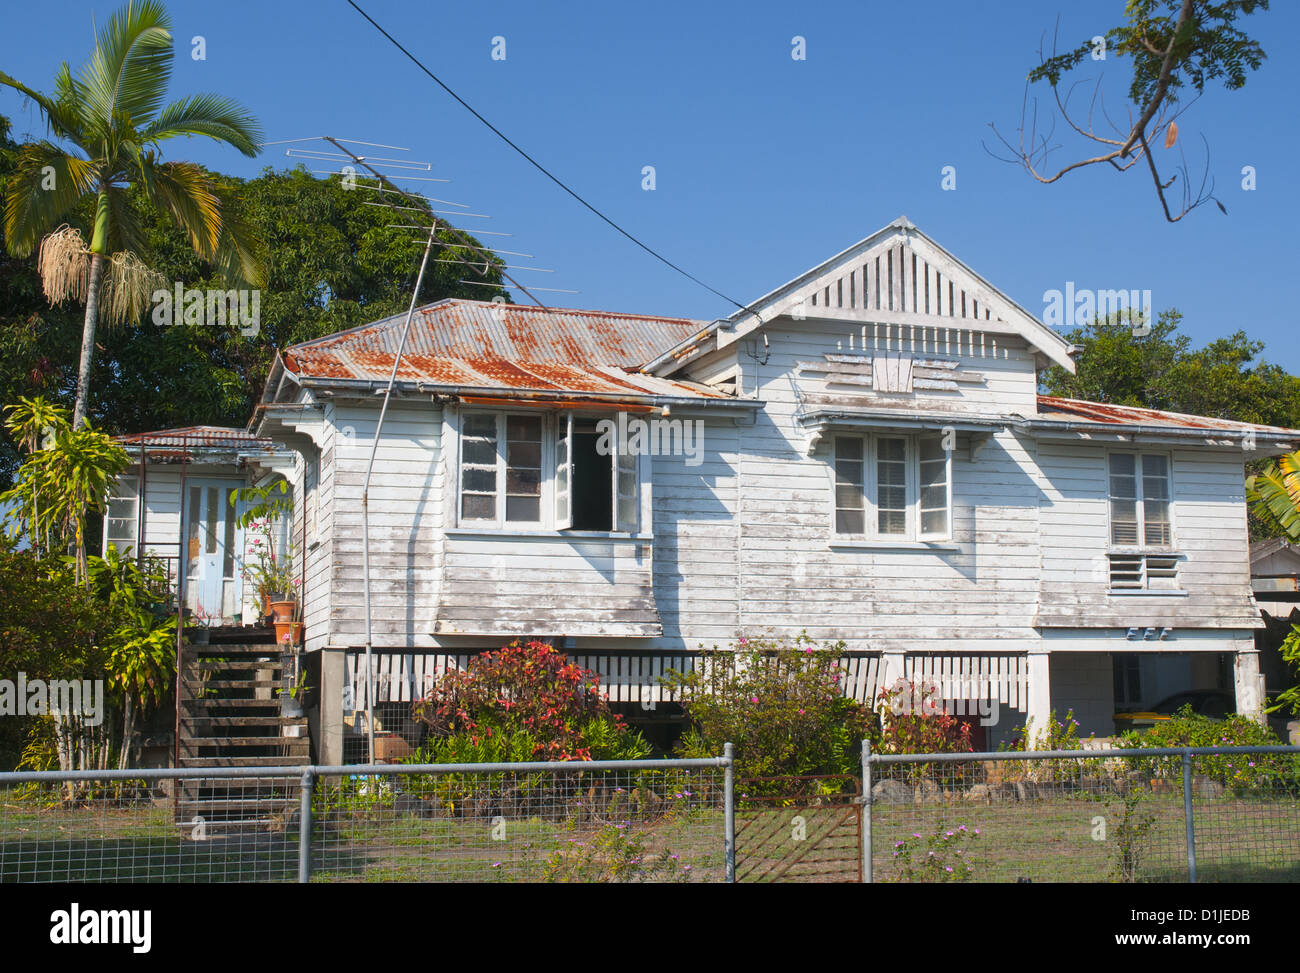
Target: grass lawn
140, 842
1061, 839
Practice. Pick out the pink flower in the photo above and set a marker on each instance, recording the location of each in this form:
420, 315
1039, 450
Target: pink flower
754, 699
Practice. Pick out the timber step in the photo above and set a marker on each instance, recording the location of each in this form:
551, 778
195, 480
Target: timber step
245, 741
233, 648
232, 703
230, 683
213, 807
295, 761
219, 721
208, 665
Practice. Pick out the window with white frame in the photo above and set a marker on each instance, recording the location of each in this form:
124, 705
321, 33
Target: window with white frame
123, 514
890, 487
539, 472
1139, 500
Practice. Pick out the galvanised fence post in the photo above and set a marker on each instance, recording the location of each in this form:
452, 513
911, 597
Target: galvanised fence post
866, 812
729, 810
304, 827
1188, 820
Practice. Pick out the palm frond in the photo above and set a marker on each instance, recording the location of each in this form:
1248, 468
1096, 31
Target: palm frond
45, 185
128, 72
1274, 494
240, 256
60, 113
214, 116
185, 190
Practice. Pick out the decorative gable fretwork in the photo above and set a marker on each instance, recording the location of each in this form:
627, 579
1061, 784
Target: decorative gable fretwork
891, 372
897, 278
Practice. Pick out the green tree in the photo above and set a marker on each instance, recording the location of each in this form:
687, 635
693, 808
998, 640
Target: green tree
110, 122
1227, 379
68, 476
1171, 45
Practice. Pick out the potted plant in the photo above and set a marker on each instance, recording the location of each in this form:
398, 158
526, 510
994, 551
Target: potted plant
288, 624
293, 700
268, 571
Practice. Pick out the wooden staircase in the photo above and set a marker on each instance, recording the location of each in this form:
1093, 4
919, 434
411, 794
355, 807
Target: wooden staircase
230, 717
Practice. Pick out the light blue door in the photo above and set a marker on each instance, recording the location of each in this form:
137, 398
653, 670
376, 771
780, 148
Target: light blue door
213, 555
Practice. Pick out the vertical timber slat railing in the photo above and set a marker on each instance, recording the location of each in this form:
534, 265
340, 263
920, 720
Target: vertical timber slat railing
1115, 777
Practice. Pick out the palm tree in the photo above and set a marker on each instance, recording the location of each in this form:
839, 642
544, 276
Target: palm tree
1274, 495
109, 122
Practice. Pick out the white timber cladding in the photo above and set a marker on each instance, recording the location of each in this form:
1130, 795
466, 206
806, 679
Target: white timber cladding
1208, 517
406, 514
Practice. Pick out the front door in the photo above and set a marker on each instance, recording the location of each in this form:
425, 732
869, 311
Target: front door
213, 546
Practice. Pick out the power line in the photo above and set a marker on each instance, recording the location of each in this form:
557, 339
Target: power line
538, 166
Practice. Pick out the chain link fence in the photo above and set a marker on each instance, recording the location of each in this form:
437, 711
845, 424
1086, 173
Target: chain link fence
629, 821
1136, 815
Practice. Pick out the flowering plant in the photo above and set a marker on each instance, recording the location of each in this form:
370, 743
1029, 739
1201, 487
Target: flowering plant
270, 573
943, 856
523, 688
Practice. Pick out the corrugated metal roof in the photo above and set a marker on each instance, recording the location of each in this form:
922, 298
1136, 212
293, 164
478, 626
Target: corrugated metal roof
1066, 410
489, 374
494, 347
479, 329
197, 437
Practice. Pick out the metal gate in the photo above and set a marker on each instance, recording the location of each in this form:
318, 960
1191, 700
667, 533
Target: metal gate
799, 829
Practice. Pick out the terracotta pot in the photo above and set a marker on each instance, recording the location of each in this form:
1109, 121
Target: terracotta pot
291, 629
270, 597
282, 611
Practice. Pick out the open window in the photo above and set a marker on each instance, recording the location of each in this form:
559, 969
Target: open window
595, 478
589, 482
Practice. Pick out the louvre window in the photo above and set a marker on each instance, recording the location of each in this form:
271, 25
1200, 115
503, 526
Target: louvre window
1144, 572
1140, 500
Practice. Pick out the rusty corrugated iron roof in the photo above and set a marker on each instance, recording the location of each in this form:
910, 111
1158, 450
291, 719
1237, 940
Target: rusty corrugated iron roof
1067, 410
197, 437
491, 374
504, 347
465, 329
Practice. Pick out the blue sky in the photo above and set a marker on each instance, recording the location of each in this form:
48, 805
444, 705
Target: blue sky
764, 165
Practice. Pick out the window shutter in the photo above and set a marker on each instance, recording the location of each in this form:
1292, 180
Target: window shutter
625, 489
564, 473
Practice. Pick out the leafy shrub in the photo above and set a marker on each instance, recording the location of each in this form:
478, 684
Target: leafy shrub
781, 704
524, 696
912, 721
1238, 772
1057, 735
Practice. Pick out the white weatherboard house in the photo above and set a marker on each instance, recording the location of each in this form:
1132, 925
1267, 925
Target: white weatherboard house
868, 460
